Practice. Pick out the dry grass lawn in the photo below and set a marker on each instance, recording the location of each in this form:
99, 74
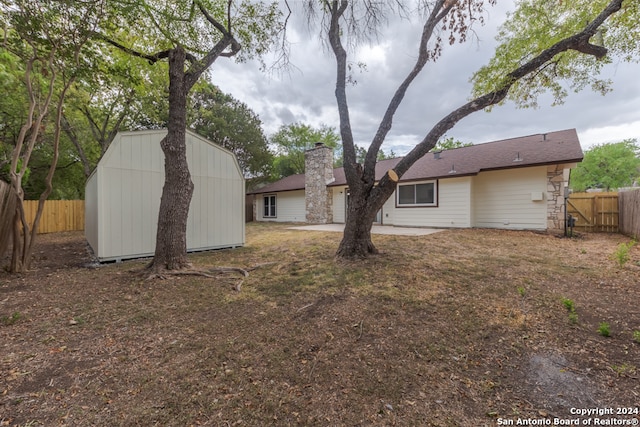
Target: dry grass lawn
458, 328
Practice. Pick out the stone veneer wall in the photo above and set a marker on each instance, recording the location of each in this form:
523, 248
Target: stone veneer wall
318, 164
557, 180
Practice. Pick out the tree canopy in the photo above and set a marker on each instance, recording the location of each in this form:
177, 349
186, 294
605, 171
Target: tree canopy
538, 25
449, 143
608, 166
42, 49
361, 154
121, 92
231, 124
292, 140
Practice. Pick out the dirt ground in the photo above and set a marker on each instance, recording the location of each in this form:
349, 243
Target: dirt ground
458, 328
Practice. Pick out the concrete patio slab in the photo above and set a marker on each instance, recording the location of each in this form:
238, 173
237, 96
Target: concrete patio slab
377, 229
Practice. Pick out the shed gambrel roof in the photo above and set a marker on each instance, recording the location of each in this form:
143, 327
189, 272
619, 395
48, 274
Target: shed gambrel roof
541, 149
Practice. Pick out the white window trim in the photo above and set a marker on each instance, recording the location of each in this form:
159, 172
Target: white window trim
413, 205
264, 205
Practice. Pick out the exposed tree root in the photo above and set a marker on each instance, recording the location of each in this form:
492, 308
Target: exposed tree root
358, 250
211, 273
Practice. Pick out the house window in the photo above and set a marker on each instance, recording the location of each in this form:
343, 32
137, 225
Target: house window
269, 207
422, 194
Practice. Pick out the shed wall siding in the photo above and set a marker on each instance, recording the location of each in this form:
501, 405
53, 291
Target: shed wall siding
503, 199
290, 207
453, 210
129, 197
128, 188
216, 211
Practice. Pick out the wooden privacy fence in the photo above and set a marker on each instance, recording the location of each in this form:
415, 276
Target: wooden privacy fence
594, 211
58, 215
629, 206
609, 212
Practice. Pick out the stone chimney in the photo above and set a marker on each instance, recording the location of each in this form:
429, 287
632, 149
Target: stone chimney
318, 165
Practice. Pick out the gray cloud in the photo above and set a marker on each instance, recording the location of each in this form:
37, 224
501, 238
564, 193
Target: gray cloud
306, 92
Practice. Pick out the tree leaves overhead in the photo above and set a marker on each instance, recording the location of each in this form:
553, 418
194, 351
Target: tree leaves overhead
51, 29
13, 106
536, 25
162, 25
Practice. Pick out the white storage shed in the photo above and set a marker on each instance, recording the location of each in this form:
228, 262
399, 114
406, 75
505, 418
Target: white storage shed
122, 197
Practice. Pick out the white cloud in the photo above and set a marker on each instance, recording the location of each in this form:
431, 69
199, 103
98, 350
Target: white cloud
607, 134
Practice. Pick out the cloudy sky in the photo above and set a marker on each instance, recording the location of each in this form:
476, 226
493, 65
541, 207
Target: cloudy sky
306, 93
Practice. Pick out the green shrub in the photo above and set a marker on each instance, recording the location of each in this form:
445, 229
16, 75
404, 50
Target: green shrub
571, 307
10, 320
604, 330
573, 317
621, 254
569, 304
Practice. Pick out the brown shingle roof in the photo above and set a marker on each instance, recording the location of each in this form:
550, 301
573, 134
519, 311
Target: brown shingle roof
533, 150
292, 182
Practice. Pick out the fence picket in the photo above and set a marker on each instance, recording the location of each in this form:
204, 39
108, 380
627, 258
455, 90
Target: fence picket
594, 211
57, 215
629, 206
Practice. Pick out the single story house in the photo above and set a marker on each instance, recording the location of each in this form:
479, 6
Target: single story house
123, 193
516, 183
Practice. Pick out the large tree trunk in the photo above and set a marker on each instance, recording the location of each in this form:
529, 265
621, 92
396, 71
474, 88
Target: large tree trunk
24, 234
361, 213
356, 240
171, 237
8, 200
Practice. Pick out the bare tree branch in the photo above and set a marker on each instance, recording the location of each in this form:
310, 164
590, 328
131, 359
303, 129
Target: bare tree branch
578, 42
66, 126
151, 58
218, 50
439, 11
337, 9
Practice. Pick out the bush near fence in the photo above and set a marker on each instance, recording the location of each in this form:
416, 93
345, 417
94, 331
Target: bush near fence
629, 207
57, 215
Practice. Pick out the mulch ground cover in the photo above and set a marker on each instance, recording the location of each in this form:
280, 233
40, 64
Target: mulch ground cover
458, 328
